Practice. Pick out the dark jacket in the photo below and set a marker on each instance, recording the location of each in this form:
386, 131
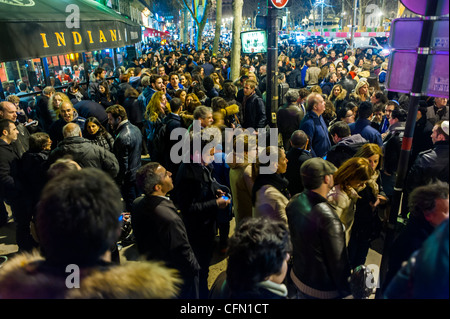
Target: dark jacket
254, 112
127, 148
9, 161
288, 121
86, 154
409, 240
348, 85
392, 146
134, 111
56, 134
43, 115
363, 127
345, 149
294, 79
195, 196
314, 126
160, 235
422, 138
33, 175
319, 252
429, 165
88, 108
173, 121
296, 157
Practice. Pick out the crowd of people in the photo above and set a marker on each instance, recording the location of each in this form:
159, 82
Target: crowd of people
67, 157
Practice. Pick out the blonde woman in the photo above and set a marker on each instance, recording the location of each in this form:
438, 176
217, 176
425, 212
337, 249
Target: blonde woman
369, 208
361, 92
154, 114
54, 104
350, 178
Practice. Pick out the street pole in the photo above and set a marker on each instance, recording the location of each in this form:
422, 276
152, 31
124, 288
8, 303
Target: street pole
272, 65
354, 23
415, 95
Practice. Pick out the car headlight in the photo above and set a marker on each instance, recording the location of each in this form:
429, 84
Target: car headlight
385, 51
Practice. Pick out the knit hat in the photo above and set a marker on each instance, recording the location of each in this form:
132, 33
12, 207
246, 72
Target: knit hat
444, 127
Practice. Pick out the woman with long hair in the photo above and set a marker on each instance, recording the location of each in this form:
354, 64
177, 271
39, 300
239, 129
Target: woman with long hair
154, 114
369, 208
350, 178
338, 96
97, 134
54, 103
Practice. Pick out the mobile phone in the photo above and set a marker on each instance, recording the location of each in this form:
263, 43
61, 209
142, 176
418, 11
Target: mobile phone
120, 217
225, 197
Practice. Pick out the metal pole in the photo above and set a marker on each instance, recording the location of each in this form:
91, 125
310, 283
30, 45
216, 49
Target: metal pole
272, 65
321, 20
355, 2
416, 93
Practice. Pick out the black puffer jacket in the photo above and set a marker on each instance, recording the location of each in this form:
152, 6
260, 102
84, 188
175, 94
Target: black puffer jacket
86, 154
320, 258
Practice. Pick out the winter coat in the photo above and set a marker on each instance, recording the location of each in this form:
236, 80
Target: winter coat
127, 148
29, 276
56, 134
288, 121
320, 266
254, 112
241, 184
345, 206
161, 235
312, 76
86, 154
315, 127
195, 196
9, 161
363, 127
104, 140
429, 165
340, 100
345, 149
296, 157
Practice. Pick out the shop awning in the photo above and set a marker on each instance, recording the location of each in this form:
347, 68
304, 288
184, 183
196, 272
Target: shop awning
39, 28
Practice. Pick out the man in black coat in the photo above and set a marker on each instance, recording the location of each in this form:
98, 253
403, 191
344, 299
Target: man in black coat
199, 196
43, 114
127, 148
10, 187
320, 265
296, 156
84, 152
159, 230
253, 107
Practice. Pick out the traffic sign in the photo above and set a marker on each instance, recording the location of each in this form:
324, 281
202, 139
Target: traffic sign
279, 4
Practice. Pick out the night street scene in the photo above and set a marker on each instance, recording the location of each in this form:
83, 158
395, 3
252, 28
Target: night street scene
226, 157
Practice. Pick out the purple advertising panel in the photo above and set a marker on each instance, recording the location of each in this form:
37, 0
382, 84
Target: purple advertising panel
435, 82
405, 33
401, 71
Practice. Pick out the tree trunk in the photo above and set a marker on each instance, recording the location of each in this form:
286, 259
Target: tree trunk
218, 26
186, 38
236, 39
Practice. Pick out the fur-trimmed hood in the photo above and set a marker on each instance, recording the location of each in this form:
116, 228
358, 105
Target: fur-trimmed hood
342, 96
28, 276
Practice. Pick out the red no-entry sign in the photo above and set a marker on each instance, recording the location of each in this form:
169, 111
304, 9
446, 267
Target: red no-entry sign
279, 4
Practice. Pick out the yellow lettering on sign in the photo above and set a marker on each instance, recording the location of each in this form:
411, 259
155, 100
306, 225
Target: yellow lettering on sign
44, 40
113, 35
76, 38
60, 38
102, 37
90, 37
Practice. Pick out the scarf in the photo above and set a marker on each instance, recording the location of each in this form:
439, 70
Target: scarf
275, 180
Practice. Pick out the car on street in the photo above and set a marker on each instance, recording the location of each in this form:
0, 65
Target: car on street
339, 45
